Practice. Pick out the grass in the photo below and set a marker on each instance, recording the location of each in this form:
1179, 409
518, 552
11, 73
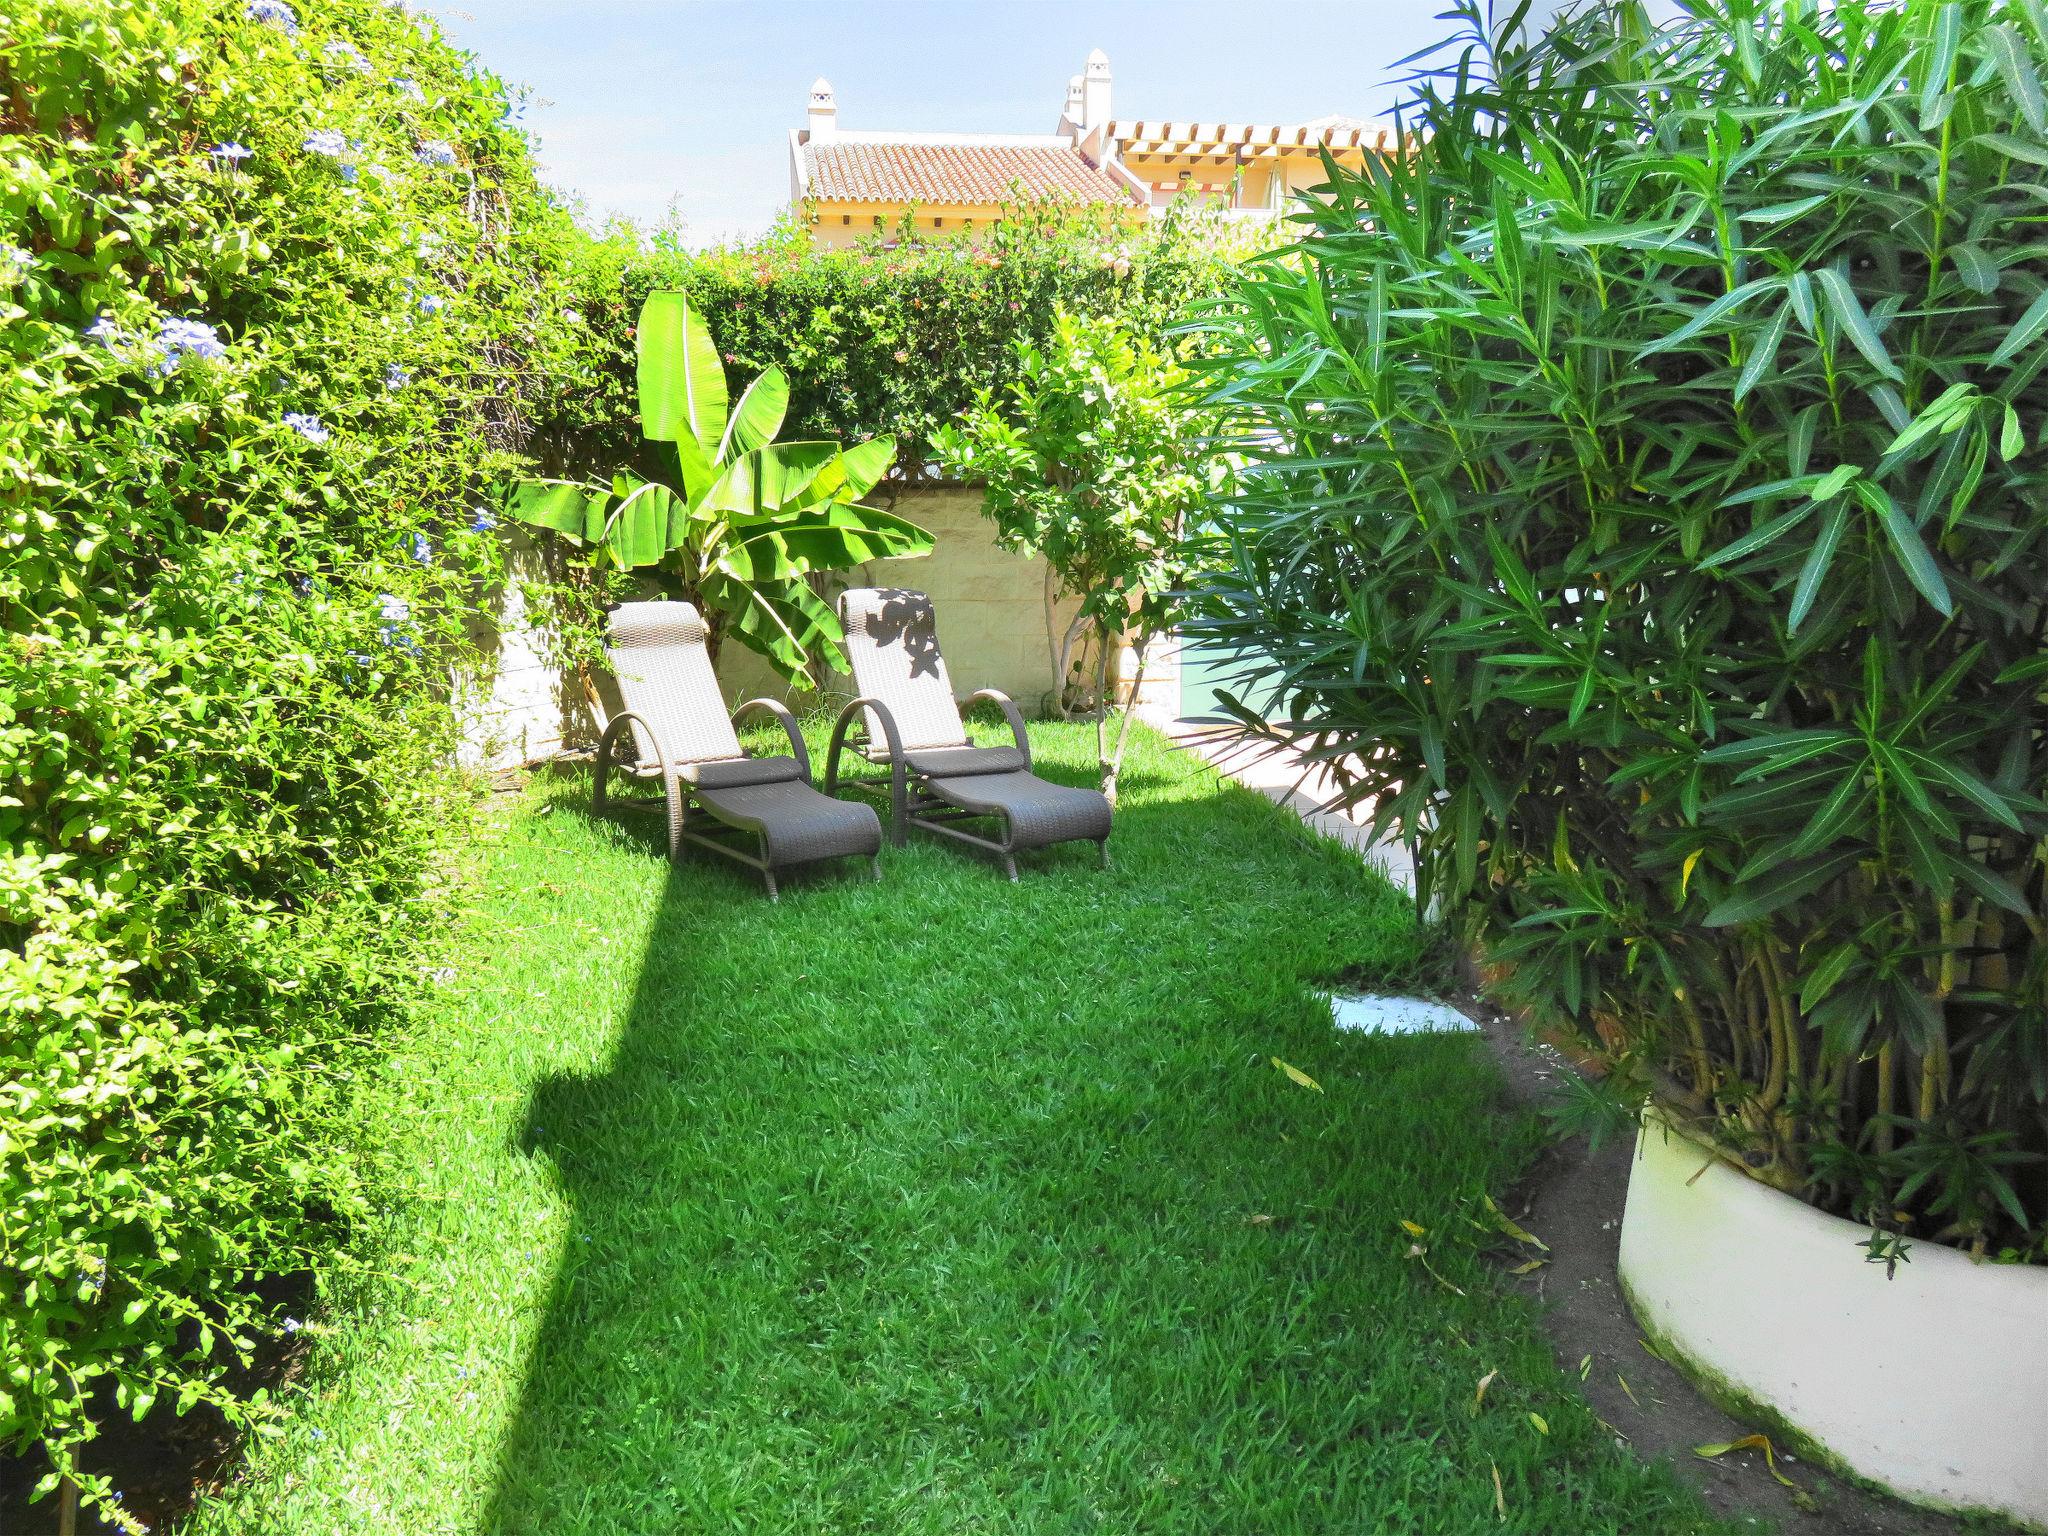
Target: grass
942, 1205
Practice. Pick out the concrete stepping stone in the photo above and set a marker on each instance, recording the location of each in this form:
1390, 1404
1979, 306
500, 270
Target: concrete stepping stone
1367, 1014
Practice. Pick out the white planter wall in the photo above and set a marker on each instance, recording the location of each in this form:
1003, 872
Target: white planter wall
1933, 1382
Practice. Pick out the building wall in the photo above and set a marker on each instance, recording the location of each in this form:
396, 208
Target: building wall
518, 707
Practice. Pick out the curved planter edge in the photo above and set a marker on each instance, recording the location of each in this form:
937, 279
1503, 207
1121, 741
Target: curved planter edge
1927, 1384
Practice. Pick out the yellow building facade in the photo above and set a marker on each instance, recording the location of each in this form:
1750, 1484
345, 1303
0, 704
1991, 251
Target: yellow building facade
853, 184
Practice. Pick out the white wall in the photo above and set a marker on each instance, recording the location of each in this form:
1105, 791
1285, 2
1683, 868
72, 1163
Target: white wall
518, 708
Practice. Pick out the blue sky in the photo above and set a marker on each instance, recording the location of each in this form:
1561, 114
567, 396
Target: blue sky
638, 102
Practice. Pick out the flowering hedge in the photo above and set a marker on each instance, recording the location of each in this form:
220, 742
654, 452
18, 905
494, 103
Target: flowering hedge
273, 311
878, 339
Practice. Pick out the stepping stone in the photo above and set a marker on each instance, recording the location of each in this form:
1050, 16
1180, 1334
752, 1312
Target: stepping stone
1396, 1015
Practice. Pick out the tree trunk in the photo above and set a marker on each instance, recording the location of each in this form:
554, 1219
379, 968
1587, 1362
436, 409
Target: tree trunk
1062, 661
1113, 769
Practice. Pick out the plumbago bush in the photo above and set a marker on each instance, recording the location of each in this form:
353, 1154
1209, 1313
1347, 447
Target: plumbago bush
273, 311
881, 340
1643, 509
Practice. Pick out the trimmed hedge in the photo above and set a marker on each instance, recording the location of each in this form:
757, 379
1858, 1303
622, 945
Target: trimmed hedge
276, 304
878, 339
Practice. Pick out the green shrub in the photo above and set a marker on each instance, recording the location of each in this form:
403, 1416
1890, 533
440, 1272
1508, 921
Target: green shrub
1645, 509
273, 307
878, 341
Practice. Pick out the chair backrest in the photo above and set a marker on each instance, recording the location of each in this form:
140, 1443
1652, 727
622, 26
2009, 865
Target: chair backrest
657, 654
892, 642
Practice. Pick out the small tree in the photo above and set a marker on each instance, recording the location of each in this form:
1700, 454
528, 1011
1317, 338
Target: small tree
1087, 462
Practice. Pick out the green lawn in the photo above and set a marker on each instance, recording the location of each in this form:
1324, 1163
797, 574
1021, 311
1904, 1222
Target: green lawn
943, 1205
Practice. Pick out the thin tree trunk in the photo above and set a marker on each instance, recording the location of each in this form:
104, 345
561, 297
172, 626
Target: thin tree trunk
1061, 663
1102, 701
1113, 769
1052, 643
67, 1508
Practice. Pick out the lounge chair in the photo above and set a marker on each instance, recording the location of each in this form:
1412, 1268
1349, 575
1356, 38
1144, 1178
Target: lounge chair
906, 720
683, 736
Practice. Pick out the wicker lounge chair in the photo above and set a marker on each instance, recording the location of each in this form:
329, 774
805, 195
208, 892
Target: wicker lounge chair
906, 719
683, 737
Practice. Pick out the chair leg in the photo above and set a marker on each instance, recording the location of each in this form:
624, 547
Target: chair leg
1010, 867
899, 805
875, 864
678, 814
767, 869
1103, 849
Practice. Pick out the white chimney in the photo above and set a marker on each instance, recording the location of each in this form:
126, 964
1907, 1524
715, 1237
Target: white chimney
1095, 90
1071, 114
824, 118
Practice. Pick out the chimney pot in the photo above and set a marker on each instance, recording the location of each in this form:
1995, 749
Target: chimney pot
824, 112
1095, 91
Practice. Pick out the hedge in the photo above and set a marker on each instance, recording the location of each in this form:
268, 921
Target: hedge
276, 294
882, 338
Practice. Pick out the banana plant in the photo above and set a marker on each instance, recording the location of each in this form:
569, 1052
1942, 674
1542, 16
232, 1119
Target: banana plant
749, 519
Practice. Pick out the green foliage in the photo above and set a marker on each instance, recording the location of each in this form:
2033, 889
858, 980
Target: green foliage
1644, 510
1087, 462
880, 340
272, 307
754, 520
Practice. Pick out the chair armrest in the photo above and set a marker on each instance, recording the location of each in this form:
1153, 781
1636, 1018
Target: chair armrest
1010, 713
797, 749
890, 736
611, 731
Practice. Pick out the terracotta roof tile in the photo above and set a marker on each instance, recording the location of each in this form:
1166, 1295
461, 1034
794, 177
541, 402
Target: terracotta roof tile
843, 172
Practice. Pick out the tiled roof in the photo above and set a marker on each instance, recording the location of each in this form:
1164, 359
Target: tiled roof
855, 172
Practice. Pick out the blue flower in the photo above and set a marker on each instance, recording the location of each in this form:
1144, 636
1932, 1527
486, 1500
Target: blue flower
327, 141
483, 522
104, 331
307, 425
410, 89
231, 152
396, 377
348, 54
292, 1325
422, 549
435, 152
393, 609
273, 13
432, 304
14, 264
178, 339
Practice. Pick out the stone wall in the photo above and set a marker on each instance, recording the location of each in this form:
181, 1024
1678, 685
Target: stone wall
518, 707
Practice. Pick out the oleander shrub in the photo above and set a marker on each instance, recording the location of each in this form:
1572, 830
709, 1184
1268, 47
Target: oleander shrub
275, 306
1644, 510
